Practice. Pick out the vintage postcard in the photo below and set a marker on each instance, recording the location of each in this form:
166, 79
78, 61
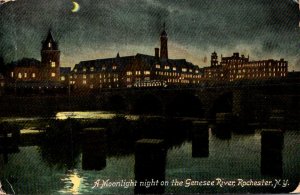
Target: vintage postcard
149, 97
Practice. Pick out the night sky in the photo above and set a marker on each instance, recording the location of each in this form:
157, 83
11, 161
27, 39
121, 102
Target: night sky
261, 28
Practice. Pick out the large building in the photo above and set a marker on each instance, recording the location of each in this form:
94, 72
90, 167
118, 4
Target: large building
48, 69
239, 67
30, 75
135, 71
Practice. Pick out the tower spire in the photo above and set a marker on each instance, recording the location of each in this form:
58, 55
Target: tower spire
164, 44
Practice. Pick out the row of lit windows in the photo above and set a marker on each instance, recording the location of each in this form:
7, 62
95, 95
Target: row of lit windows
92, 69
91, 76
254, 70
23, 75
157, 66
104, 80
178, 81
176, 74
138, 72
109, 80
256, 75
258, 64
91, 86
258, 70
138, 79
154, 84
233, 60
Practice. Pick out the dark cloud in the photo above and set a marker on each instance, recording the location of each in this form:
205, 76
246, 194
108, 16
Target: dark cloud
262, 28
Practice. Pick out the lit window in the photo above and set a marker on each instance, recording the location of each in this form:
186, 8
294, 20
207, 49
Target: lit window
75, 70
167, 67
114, 67
147, 78
20, 75
53, 74
147, 72
33, 75
128, 79
138, 72
49, 44
62, 78
157, 66
84, 76
190, 70
128, 73
12, 74
103, 68
184, 69
25, 75
52, 64
84, 82
174, 68
84, 69
91, 86
92, 69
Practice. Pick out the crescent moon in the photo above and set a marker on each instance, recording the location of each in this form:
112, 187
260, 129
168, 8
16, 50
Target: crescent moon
76, 7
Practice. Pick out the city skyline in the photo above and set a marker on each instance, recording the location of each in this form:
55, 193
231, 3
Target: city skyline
101, 30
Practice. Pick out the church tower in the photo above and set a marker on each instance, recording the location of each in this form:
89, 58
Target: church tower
164, 45
50, 55
214, 59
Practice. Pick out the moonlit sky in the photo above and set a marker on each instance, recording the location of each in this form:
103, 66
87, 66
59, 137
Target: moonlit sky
261, 28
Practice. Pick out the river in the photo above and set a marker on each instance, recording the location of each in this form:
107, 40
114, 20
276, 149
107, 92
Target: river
33, 171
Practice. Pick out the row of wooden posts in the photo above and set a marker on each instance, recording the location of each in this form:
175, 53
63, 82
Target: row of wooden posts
150, 154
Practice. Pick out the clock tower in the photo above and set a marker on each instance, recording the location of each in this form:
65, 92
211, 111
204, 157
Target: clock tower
50, 58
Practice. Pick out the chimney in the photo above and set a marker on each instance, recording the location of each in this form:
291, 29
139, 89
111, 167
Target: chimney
156, 53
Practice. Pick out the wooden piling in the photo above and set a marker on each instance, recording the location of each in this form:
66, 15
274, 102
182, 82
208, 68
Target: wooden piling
94, 149
150, 162
271, 152
200, 139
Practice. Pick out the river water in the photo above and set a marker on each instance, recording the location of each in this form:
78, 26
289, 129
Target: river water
235, 159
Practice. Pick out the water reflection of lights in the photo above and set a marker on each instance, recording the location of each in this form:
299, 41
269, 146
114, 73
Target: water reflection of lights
90, 115
74, 184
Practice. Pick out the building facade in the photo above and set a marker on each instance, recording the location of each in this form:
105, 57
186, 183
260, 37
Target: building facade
136, 71
48, 69
238, 67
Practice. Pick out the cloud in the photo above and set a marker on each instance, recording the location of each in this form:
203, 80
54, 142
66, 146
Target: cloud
260, 28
